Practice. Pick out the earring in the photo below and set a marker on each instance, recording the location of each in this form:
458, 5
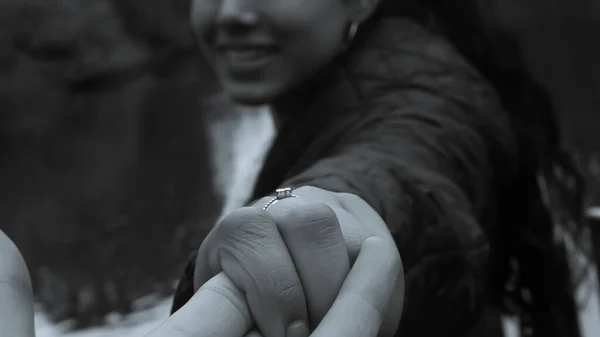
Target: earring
352, 32
350, 35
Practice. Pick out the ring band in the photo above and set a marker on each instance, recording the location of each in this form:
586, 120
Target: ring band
280, 193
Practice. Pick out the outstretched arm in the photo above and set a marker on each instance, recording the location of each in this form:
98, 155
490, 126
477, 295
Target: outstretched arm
429, 158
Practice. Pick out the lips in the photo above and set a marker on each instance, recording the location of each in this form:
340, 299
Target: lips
246, 55
246, 58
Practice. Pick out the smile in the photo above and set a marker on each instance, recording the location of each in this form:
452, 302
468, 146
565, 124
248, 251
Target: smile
246, 59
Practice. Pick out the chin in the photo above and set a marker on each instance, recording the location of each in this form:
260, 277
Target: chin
259, 92
251, 94
249, 100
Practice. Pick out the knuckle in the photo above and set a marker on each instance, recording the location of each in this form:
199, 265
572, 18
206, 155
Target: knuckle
313, 217
346, 196
262, 202
316, 193
349, 199
308, 189
311, 213
289, 290
291, 296
241, 222
234, 231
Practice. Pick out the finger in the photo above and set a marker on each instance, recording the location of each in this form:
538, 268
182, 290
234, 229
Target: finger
365, 214
202, 268
16, 296
370, 218
252, 253
16, 309
218, 308
359, 222
364, 297
354, 231
313, 237
393, 314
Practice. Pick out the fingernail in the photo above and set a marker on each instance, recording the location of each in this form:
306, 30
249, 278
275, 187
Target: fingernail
298, 329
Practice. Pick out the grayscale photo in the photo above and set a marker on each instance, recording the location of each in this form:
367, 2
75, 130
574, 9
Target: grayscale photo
299, 168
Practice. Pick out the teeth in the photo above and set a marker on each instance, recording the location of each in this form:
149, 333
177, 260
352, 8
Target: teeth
246, 55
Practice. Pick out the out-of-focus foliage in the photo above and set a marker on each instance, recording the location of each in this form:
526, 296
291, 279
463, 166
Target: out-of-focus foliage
104, 172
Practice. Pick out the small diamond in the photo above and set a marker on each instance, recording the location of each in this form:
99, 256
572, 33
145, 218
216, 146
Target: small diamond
283, 192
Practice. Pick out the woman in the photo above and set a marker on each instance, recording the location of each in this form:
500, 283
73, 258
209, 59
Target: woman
418, 111
390, 126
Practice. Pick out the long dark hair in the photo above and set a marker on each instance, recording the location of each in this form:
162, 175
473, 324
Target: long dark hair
531, 277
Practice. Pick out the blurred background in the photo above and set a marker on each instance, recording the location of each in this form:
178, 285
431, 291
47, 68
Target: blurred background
115, 161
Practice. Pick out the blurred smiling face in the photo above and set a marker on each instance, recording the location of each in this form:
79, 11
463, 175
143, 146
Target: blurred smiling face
260, 49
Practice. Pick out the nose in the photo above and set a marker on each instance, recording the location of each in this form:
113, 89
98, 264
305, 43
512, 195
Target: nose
237, 15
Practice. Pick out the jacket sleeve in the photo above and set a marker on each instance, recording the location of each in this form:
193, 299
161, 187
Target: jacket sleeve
429, 159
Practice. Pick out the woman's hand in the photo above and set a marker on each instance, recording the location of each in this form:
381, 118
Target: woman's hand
292, 260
